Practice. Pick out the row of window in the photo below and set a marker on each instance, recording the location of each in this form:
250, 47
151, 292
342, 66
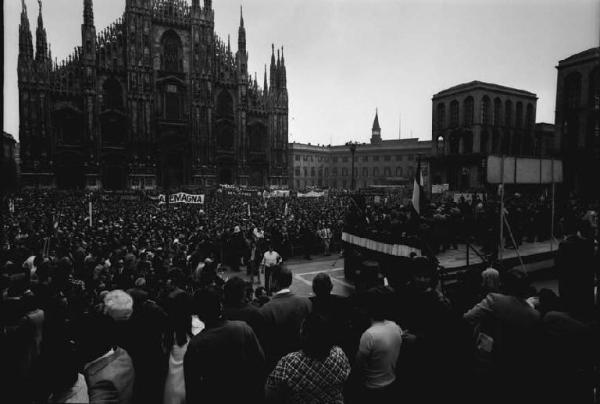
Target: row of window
387, 172
311, 158
572, 90
489, 116
517, 143
345, 159
344, 184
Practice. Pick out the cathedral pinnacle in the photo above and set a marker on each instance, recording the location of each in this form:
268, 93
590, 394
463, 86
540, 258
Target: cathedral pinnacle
273, 72
41, 51
272, 54
88, 12
266, 84
25, 40
24, 18
40, 19
282, 72
242, 33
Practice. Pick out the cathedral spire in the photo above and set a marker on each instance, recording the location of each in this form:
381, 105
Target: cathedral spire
88, 12
41, 51
283, 71
273, 71
272, 55
25, 40
266, 84
88, 34
242, 33
278, 71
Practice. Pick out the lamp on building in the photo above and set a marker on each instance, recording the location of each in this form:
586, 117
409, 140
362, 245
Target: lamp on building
352, 146
440, 144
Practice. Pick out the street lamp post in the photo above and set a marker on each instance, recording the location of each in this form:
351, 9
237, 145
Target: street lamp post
352, 146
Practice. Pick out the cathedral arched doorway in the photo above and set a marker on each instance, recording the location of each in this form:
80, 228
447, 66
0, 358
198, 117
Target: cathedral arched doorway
225, 176
173, 171
70, 171
257, 178
114, 172
113, 177
174, 159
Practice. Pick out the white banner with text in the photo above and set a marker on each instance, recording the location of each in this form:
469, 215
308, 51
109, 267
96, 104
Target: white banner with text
181, 197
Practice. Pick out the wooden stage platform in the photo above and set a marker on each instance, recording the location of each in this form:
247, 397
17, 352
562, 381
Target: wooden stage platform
535, 256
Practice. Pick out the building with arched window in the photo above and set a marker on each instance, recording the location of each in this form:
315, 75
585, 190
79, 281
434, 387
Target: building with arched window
484, 119
577, 121
156, 99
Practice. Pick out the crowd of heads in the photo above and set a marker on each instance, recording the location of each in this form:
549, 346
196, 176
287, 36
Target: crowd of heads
145, 277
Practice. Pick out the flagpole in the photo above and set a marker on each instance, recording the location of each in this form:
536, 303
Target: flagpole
553, 207
501, 246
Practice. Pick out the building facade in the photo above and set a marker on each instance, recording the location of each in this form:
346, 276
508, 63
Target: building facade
380, 163
578, 121
8, 164
473, 120
156, 99
545, 140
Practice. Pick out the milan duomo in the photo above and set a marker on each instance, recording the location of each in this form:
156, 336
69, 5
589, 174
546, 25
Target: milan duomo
156, 99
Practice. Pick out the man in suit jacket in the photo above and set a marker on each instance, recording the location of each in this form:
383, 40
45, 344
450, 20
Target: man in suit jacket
224, 363
513, 324
109, 370
334, 307
575, 265
283, 315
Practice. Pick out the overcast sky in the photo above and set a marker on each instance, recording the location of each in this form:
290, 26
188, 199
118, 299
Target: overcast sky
344, 58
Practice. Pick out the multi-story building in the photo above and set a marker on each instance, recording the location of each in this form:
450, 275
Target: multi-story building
578, 121
8, 163
545, 135
155, 99
378, 163
476, 119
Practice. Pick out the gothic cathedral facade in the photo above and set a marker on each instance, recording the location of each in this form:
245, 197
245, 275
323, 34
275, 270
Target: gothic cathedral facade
155, 100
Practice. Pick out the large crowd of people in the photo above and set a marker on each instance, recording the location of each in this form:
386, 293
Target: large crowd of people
129, 305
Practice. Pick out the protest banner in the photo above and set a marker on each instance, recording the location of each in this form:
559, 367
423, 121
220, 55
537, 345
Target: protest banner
181, 197
439, 188
311, 194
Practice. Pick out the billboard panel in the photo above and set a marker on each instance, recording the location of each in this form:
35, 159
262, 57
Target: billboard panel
519, 170
528, 171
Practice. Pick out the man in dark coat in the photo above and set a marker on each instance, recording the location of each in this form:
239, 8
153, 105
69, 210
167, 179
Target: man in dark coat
576, 264
333, 307
225, 362
283, 315
236, 307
